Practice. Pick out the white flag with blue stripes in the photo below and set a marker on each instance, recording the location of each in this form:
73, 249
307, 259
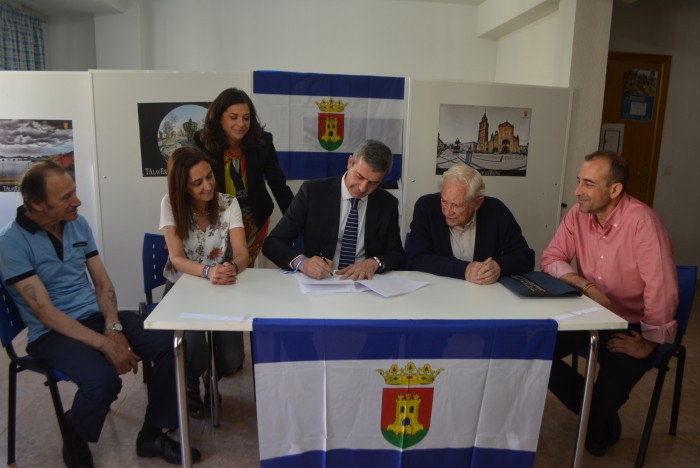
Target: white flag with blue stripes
318, 119
395, 393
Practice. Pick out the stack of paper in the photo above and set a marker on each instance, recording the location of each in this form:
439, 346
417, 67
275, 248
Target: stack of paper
387, 285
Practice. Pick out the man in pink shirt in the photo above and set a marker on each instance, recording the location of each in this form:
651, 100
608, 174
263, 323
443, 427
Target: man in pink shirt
625, 263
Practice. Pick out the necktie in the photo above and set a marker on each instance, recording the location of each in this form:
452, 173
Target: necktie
348, 245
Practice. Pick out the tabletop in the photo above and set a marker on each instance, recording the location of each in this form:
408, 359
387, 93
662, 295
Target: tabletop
195, 304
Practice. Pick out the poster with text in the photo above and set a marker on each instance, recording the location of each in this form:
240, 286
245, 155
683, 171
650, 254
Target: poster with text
492, 140
163, 128
24, 142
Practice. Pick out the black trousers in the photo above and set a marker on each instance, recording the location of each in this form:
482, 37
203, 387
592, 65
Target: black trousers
618, 373
98, 381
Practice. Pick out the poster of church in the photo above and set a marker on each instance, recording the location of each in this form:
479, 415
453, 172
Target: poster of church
492, 140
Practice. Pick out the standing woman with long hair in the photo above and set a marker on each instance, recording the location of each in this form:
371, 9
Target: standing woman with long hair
204, 233
245, 159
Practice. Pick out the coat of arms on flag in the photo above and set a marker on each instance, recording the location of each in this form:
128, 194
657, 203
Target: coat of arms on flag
406, 411
331, 123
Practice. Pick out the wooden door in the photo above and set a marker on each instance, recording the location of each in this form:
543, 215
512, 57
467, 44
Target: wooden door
636, 86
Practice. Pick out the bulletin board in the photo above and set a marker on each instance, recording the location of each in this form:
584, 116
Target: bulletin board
130, 202
534, 199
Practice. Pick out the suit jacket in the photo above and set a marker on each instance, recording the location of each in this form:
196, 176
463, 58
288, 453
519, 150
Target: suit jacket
498, 236
262, 165
315, 213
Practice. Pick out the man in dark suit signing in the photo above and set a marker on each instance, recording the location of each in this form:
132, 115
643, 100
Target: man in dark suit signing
463, 234
320, 212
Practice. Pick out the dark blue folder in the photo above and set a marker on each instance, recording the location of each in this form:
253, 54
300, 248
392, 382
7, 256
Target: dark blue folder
538, 284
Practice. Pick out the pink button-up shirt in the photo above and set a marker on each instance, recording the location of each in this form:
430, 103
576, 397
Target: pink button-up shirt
630, 259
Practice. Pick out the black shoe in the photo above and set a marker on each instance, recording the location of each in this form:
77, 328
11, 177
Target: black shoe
596, 449
165, 448
79, 450
614, 430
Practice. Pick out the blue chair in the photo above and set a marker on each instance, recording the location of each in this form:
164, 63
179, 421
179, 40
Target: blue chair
154, 255
12, 325
687, 278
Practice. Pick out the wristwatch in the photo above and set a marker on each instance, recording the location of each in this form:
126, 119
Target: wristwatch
380, 263
116, 326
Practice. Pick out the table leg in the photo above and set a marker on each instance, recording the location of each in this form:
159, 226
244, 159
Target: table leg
215, 406
185, 452
589, 378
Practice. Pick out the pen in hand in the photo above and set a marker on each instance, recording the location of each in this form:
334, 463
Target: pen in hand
323, 257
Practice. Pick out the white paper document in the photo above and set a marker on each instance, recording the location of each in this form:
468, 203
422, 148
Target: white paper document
387, 285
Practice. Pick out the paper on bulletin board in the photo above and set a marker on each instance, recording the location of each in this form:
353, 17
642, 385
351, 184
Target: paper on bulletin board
611, 137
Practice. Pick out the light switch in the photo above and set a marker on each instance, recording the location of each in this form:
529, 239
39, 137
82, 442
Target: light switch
667, 170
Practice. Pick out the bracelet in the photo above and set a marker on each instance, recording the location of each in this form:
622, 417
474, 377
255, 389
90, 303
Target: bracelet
296, 268
586, 287
205, 273
235, 266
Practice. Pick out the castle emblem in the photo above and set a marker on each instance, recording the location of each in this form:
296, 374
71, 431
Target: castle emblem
331, 123
407, 403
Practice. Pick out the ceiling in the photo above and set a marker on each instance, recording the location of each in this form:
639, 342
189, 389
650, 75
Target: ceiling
50, 8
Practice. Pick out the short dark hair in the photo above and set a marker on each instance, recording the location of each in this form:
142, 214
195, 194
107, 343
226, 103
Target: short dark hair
376, 154
213, 136
179, 165
32, 184
619, 170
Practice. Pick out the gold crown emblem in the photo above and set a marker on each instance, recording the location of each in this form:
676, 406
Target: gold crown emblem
410, 375
331, 105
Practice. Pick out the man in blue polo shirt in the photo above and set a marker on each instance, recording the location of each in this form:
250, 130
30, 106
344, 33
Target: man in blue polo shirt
45, 255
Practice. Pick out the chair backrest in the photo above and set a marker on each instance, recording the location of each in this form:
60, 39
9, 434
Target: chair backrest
11, 324
154, 256
687, 279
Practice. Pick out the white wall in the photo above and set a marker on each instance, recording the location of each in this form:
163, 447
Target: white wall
527, 56
70, 43
424, 40
565, 48
671, 29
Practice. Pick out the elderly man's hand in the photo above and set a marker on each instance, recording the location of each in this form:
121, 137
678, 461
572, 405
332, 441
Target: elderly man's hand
486, 272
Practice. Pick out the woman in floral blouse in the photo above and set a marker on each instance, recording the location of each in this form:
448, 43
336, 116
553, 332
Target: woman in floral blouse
205, 237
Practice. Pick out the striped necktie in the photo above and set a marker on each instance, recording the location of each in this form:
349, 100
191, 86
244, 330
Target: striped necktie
349, 242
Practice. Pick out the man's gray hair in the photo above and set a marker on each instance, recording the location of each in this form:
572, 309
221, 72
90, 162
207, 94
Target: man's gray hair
466, 175
376, 154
